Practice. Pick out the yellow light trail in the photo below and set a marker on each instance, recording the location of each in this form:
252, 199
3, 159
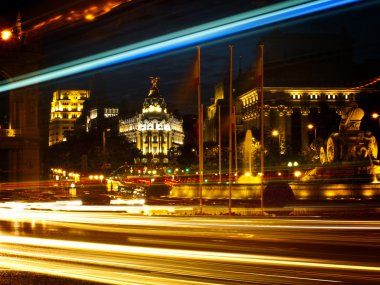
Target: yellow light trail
178, 253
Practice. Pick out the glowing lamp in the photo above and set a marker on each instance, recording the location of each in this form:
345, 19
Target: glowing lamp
89, 17
6, 35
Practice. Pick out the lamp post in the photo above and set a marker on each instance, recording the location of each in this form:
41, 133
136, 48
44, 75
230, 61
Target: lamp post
276, 133
310, 127
376, 116
104, 140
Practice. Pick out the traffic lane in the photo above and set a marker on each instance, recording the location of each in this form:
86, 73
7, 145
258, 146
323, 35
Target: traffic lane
326, 244
111, 264
14, 277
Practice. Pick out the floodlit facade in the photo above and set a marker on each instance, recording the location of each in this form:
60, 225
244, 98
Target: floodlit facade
66, 108
97, 117
154, 130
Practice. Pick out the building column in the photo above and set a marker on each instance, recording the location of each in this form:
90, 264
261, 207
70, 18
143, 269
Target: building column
304, 131
281, 128
138, 140
150, 150
267, 125
288, 127
170, 141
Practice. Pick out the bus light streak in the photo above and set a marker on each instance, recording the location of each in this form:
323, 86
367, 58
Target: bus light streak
181, 39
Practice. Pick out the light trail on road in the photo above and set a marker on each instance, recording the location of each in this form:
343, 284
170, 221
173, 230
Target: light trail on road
175, 253
114, 248
58, 262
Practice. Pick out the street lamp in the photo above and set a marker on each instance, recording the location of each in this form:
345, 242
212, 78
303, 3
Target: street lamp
276, 133
310, 127
104, 139
6, 35
376, 116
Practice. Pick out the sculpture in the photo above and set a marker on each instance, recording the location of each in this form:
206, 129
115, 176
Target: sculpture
350, 143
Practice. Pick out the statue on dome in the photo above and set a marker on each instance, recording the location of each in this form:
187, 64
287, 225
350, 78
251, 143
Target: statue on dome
154, 88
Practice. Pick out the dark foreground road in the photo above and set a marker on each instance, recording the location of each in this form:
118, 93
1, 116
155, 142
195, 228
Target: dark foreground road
113, 248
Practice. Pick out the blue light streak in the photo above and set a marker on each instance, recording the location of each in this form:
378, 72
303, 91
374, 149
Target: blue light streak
178, 40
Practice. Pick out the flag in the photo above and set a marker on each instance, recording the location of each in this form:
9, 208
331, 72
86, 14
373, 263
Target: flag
259, 68
186, 90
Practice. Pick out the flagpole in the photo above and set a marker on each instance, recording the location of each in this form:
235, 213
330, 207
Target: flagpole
220, 146
236, 160
230, 140
200, 129
262, 148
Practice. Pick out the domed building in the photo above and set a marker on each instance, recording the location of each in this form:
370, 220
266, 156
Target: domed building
154, 130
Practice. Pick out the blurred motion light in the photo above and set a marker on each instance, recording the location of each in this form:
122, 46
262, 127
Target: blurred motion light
181, 39
89, 17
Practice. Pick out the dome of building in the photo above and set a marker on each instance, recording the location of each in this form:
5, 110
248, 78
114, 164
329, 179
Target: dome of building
154, 102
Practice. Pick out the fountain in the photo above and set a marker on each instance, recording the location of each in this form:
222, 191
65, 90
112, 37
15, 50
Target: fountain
249, 148
349, 155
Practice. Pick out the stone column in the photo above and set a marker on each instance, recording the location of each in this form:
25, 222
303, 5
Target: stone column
150, 150
267, 125
138, 140
143, 137
281, 128
304, 131
288, 127
170, 140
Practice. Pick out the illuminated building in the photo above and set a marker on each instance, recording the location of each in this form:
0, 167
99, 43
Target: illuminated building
306, 81
99, 118
285, 105
154, 131
66, 108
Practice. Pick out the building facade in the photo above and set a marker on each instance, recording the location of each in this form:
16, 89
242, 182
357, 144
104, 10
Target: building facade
66, 108
154, 130
307, 84
297, 114
20, 136
101, 118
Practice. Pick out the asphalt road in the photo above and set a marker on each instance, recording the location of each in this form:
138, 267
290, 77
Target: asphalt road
49, 247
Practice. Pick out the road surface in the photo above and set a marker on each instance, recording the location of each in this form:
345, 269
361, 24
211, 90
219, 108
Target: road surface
115, 248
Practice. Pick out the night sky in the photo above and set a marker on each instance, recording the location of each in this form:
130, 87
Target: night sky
132, 21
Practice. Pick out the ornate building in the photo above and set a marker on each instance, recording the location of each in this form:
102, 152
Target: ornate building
66, 108
154, 130
307, 85
293, 111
